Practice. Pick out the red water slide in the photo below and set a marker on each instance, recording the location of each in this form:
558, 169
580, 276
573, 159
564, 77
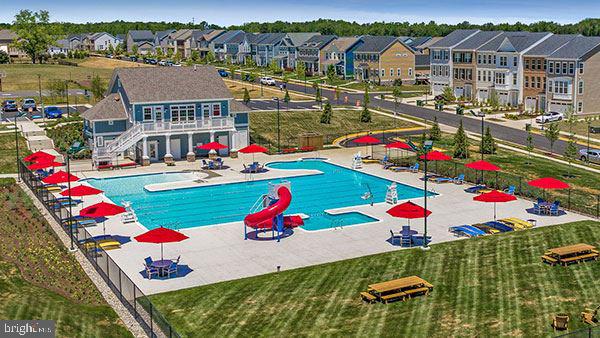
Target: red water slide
264, 218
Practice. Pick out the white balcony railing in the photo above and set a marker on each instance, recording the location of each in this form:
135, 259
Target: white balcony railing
214, 124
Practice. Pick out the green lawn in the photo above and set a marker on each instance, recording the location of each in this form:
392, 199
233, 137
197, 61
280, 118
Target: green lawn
487, 287
263, 125
373, 87
39, 279
8, 160
25, 76
580, 127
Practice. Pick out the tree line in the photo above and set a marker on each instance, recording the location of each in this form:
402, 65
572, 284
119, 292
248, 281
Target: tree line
589, 27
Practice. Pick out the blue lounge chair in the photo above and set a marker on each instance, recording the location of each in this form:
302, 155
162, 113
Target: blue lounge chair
475, 189
413, 168
500, 226
467, 230
510, 190
460, 179
442, 179
554, 208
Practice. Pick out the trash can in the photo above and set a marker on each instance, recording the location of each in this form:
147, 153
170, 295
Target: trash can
528, 126
460, 110
419, 103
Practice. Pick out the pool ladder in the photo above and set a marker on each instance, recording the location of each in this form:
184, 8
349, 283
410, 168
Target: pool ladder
259, 204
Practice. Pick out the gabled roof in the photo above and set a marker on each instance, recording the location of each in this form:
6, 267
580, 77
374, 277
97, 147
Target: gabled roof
550, 45
417, 41
229, 35
62, 43
168, 84
342, 44
269, 38
454, 38
109, 108
429, 42
376, 44
297, 39
512, 41
318, 41
180, 34
207, 34
580, 47
479, 39
141, 35
120, 37
7, 34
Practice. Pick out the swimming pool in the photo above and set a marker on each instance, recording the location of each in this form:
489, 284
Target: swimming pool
334, 187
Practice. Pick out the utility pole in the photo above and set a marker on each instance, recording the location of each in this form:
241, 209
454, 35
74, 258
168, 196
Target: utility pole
67, 91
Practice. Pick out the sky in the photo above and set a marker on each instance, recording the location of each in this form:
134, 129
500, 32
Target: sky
236, 12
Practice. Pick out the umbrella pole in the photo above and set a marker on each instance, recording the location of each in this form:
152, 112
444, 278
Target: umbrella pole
494, 211
161, 251
104, 226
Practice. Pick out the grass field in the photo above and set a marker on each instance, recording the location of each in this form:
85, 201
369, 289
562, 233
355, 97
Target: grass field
263, 125
486, 287
237, 89
405, 87
39, 279
8, 160
580, 127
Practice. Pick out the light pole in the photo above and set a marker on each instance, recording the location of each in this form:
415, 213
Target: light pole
17, 148
427, 146
482, 115
71, 219
276, 99
40, 93
67, 91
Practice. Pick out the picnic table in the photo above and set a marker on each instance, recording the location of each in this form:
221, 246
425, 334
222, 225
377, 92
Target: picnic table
401, 288
570, 254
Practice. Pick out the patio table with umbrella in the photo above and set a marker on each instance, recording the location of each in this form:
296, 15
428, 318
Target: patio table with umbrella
60, 177
408, 210
429, 156
160, 236
495, 196
482, 166
39, 156
211, 146
253, 149
367, 140
398, 145
548, 183
81, 190
102, 209
44, 165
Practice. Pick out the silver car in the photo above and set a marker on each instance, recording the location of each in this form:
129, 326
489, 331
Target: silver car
592, 155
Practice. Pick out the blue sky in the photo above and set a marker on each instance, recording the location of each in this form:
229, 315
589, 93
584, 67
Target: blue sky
228, 12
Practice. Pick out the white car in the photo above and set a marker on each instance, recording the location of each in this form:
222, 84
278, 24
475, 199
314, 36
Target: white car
550, 117
593, 155
267, 81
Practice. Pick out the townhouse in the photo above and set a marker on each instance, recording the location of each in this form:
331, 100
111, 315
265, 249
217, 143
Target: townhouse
534, 72
311, 53
384, 59
199, 41
265, 48
340, 54
60, 47
7, 37
440, 59
162, 41
143, 39
288, 50
226, 46
163, 113
572, 74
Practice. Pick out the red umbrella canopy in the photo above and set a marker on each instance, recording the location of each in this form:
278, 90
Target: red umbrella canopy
161, 235
44, 165
39, 156
482, 165
408, 210
436, 156
368, 139
101, 209
398, 145
548, 183
81, 190
495, 196
60, 177
253, 148
211, 146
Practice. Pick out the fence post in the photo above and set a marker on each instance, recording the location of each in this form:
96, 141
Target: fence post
497, 186
120, 287
598, 206
151, 322
135, 314
569, 200
520, 187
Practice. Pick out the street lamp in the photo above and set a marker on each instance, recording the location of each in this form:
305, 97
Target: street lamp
17, 148
71, 220
276, 99
427, 146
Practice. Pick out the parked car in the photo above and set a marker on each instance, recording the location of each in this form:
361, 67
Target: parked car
162, 63
9, 105
152, 61
27, 104
53, 112
550, 117
110, 56
169, 63
593, 155
133, 58
267, 81
223, 73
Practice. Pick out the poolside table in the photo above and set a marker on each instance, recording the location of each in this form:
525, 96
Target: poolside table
162, 266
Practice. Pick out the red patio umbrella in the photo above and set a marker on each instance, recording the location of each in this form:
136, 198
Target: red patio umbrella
39, 156
81, 190
366, 140
495, 196
60, 177
482, 165
44, 165
398, 145
252, 149
408, 210
436, 156
548, 183
212, 146
160, 236
101, 209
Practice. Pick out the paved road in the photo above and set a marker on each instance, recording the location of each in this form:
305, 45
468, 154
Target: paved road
35, 94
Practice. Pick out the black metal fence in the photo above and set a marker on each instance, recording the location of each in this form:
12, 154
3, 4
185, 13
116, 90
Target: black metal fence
590, 332
136, 302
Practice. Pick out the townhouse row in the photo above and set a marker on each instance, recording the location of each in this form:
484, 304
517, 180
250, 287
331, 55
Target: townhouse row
536, 71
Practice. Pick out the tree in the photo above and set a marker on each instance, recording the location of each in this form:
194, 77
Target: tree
365, 115
35, 34
57, 88
300, 69
4, 58
397, 93
488, 143
366, 98
552, 133
111, 49
493, 100
461, 143
318, 97
249, 61
327, 113
435, 133
448, 95
177, 56
330, 73
286, 98
159, 53
529, 144
274, 67
195, 56
210, 57
134, 49
232, 69
98, 87
246, 96
337, 94
570, 153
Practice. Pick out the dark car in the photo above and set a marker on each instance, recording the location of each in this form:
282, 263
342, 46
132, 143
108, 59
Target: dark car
223, 73
28, 104
133, 58
53, 112
9, 105
152, 61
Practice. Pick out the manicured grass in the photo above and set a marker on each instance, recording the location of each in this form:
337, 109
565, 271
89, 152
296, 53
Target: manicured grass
8, 160
487, 287
39, 279
580, 127
263, 125
25, 76
373, 87
237, 89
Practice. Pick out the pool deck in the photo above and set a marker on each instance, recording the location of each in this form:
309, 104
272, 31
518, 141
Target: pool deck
220, 253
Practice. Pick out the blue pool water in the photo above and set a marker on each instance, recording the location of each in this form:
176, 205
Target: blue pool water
334, 187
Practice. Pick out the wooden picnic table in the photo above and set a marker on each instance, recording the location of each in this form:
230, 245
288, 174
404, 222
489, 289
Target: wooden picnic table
398, 284
570, 254
571, 249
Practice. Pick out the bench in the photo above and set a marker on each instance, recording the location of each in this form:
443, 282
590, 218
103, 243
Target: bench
289, 150
367, 297
428, 285
127, 165
566, 261
393, 296
549, 260
308, 148
105, 167
410, 292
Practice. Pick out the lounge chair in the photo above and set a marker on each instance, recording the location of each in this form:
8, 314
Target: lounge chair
487, 229
80, 220
476, 189
517, 223
560, 322
386, 162
498, 225
460, 179
510, 190
466, 230
442, 180
412, 168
